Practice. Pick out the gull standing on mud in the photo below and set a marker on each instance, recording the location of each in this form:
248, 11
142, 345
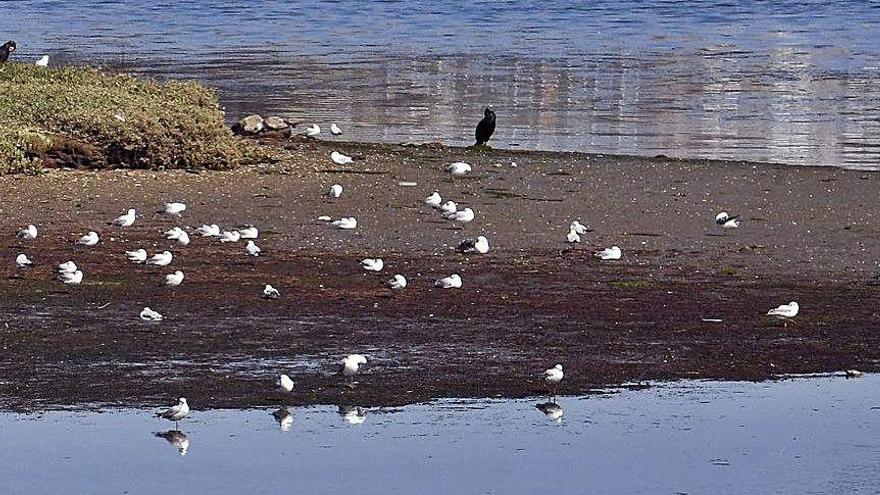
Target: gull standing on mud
28, 233
335, 191
126, 220
89, 239
451, 282
270, 292
479, 245
148, 314
249, 232
459, 169
612, 253
22, 261
174, 209
352, 363
212, 230
448, 208
340, 159
174, 279
335, 130
284, 384
463, 216
230, 236
67, 267
373, 264
434, 200
346, 223
176, 412
785, 312
397, 283
553, 376
161, 259
71, 278
578, 228
137, 256
252, 249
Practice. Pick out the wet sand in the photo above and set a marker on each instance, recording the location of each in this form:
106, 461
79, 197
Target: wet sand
809, 235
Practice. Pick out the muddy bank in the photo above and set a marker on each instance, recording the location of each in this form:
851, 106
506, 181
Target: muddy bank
809, 235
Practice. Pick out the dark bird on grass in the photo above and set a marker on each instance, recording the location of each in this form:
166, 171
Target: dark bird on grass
485, 128
9, 47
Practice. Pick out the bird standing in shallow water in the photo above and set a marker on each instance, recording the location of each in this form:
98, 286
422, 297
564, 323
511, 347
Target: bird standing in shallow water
5, 50
485, 128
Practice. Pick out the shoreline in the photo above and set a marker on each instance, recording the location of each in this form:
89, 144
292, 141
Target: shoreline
529, 303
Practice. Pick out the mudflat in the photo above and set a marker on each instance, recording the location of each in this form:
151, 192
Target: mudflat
809, 235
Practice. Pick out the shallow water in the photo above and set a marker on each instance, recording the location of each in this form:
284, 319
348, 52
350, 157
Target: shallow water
816, 435
785, 81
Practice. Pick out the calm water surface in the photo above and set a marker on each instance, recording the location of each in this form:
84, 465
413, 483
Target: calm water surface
786, 81
805, 436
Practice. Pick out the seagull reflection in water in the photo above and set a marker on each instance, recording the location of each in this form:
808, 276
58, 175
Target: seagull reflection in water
176, 438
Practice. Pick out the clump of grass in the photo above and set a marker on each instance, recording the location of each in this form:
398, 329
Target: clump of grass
109, 120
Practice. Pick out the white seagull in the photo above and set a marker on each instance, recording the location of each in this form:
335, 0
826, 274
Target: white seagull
340, 159
148, 314
464, 216
161, 259
459, 169
785, 311
434, 200
183, 239
352, 363
448, 208
175, 209
43, 61
27, 233
126, 220
335, 191
249, 232
284, 384
480, 245
578, 227
270, 292
212, 230
67, 267
451, 282
553, 376
72, 278
347, 223
174, 279
373, 264
230, 236
137, 256
179, 235
726, 221
22, 261
572, 237
313, 130
397, 283
612, 253
89, 239
175, 413
252, 249
335, 130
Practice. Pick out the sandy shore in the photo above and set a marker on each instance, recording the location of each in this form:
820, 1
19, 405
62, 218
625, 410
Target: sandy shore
809, 235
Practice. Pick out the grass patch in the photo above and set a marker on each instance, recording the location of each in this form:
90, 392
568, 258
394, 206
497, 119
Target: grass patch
729, 272
633, 284
84, 117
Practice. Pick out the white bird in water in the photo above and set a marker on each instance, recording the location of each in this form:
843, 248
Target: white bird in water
284, 384
572, 237
479, 245
434, 200
71, 278
249, 232
397, 283
28, 233
726, 221
43, 61
347, 223
177, 439
612, 253
463, 216
252, 249
67, 267
352, 415
553, 376
212, 230
175, 209
578, 227
148, 314
459, 169
137, 256
448, 208
126, 220
373, 264
335, 191
451, 282
161, 259
22, 261
89, 239
340, 159
270, 292
174, 279
313, 130
176, 412
335, 130
352, 363
230, 236
785, 311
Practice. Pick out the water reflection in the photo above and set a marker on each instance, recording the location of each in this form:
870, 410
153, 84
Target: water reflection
352, 415
284, 418
552, 410
176, 438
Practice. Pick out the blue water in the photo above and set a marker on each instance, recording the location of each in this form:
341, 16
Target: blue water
786, 81
807, 436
